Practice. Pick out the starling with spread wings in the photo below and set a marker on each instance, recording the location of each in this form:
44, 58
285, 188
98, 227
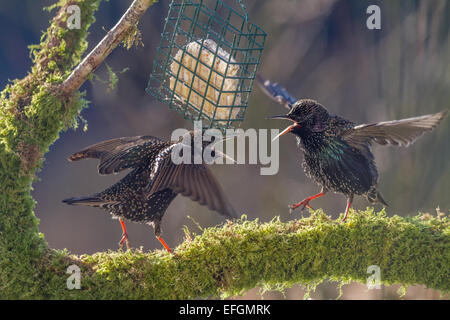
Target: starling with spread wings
337, 152
154, 181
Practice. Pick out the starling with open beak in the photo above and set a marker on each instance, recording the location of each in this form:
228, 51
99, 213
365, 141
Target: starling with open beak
337, 152
144, 194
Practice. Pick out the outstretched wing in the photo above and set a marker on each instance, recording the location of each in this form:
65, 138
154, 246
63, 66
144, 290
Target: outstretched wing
398, 132
195, 181
276, 92
118, 154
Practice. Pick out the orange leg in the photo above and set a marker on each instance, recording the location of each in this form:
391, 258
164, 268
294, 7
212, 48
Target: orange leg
305, 203
349, 203
124, 235
164, 244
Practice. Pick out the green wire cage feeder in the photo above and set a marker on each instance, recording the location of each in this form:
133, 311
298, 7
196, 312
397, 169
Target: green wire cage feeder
206, 61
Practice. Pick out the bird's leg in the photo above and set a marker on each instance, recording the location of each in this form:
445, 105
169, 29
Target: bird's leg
164, 244
305, 203
349, 203
156, 225
124, 235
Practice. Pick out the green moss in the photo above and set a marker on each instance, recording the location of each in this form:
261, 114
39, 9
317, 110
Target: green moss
230, 259
113, 78
31, 116
133, 38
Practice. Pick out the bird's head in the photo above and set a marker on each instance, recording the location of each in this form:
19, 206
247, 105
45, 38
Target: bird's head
308, 116
198, 141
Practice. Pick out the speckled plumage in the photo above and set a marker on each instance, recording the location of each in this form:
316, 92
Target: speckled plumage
337, 153
145, 193
331, 161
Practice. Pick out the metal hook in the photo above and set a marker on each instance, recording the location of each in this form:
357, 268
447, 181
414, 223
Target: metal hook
244, 9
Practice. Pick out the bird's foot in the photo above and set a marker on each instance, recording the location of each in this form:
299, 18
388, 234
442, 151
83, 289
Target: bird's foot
124, 240
303, 204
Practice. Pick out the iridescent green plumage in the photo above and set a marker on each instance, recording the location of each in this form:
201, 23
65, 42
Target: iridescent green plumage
337, 152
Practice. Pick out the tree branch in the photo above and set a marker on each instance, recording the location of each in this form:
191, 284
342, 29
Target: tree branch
33, 111
116, 35
230, 259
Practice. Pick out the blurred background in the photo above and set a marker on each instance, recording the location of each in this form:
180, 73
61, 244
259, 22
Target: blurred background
318, 49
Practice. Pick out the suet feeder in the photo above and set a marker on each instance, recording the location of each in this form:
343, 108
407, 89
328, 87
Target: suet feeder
206, 61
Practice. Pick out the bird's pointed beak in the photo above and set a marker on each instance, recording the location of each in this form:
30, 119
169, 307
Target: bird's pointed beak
282, 117
224, 155
288, 129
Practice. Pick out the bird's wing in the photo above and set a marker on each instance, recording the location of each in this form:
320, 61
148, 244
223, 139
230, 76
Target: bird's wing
195, 181
397, 132
118, 154
276, 92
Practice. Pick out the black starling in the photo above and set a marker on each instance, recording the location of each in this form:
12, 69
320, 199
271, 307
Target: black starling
144, 194
337, 152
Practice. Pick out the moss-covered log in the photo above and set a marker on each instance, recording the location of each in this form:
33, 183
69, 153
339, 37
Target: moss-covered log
225, 260
237, 256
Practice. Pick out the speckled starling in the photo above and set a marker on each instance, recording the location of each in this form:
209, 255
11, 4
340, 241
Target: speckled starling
144, 194
337, 152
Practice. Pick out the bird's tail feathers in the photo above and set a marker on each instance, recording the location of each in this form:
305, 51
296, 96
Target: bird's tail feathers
276, 92
91, 201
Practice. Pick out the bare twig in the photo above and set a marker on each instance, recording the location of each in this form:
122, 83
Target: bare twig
105, 46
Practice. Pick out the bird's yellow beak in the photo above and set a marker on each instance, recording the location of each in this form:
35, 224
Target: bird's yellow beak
282, 133
288, 129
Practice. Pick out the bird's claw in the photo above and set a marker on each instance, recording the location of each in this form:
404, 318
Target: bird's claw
303, 204
124, 240
291, 208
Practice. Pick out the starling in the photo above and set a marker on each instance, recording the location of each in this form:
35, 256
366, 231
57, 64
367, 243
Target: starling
337, 153
144, 194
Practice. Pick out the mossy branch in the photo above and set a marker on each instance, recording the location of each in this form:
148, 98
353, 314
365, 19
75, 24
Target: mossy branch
225, 260
228, 260
33, 111
116, 35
